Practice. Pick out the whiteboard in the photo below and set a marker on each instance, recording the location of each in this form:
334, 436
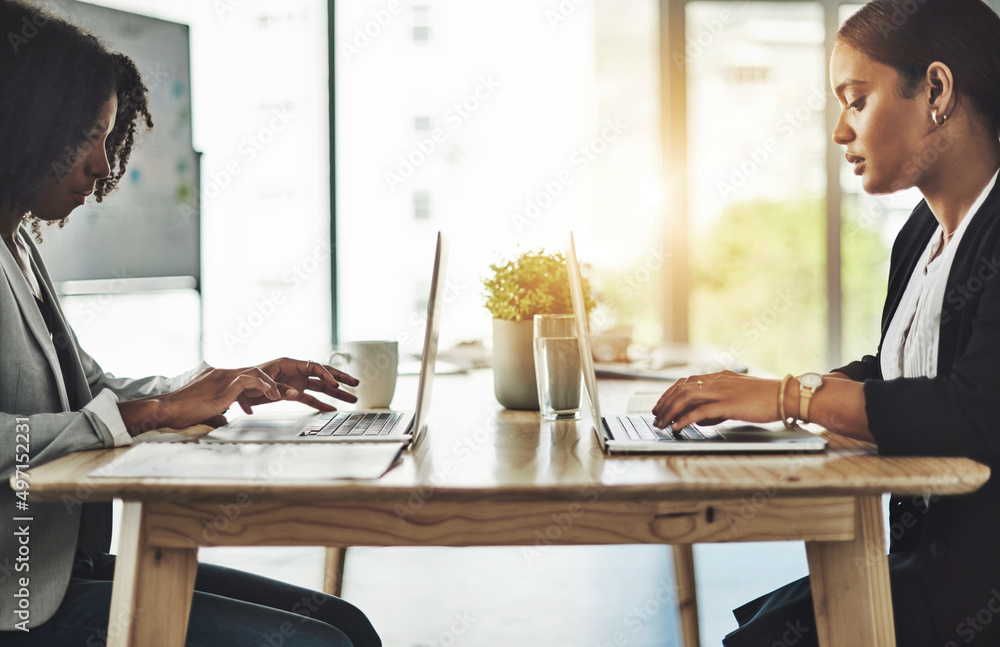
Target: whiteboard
150, 226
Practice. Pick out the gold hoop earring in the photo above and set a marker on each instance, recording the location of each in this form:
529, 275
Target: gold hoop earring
934, 117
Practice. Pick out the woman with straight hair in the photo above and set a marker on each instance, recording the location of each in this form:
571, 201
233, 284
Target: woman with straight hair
69, 114
918, 82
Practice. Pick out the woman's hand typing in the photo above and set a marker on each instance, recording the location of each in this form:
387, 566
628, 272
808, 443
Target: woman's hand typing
206, 398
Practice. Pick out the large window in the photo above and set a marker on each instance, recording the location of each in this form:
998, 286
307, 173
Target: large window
757, 96
764, 288
506, 125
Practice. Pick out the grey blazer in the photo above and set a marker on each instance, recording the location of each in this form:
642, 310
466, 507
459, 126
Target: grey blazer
37, 421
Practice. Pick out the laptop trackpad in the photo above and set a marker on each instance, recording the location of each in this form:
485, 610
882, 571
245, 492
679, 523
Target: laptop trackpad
272, 425
250, 431
746, 432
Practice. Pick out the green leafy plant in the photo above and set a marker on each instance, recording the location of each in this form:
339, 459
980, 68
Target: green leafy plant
533, 283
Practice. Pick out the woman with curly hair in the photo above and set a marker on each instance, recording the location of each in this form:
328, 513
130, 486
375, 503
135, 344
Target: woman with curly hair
69, 114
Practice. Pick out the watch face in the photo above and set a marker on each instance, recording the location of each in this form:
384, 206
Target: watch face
811, 380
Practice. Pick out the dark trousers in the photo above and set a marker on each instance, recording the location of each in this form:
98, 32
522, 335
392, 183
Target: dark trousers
784, 617
229, 608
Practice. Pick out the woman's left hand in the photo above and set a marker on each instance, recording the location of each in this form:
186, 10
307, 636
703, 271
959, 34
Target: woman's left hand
295, 377
711, 399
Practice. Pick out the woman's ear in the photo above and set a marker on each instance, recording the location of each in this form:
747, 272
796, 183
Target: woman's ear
940, 90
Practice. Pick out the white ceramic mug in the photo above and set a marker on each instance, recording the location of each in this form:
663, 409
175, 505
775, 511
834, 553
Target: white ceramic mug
375, 364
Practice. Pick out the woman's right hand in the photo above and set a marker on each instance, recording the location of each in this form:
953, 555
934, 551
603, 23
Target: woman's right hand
201, 401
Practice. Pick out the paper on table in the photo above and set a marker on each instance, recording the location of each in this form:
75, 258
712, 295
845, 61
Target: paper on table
273, 462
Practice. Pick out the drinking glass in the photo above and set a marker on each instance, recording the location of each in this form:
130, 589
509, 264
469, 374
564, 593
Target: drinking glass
557, 366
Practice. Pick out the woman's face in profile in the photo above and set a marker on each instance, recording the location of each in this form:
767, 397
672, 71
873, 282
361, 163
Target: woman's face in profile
885, 133
75, 178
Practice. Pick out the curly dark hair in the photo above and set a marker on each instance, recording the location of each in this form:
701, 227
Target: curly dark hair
54, 80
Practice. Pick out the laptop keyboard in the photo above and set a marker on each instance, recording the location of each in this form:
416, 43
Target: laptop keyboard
641, 428
356, 424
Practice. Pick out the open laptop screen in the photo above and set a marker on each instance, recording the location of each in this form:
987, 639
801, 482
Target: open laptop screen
583, 333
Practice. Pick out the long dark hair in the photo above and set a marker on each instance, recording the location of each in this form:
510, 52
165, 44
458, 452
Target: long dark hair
909, 35
54, 79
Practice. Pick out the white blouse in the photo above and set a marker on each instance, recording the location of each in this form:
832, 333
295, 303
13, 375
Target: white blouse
910, 348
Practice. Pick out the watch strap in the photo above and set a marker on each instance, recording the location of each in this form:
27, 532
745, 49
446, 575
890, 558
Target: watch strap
805, 396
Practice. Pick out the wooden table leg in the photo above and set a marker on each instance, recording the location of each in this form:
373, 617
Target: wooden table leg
333, 570
687, 594
850, 584
151, 598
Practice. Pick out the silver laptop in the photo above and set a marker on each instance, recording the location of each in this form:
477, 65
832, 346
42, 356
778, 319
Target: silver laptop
378, 426
635, 434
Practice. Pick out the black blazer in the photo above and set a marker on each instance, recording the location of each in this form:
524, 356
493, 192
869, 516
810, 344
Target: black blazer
955, 540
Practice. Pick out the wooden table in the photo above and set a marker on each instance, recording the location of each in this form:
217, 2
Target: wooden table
485, 476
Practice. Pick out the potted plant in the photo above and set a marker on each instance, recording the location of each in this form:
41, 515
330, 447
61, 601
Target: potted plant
535, 282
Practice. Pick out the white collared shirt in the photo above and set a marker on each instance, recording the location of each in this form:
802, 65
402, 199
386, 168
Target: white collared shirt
910, 348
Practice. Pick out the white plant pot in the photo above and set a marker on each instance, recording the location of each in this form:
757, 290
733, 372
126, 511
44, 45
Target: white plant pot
514, 364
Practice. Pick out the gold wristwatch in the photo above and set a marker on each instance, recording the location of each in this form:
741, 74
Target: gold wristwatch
809, 383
